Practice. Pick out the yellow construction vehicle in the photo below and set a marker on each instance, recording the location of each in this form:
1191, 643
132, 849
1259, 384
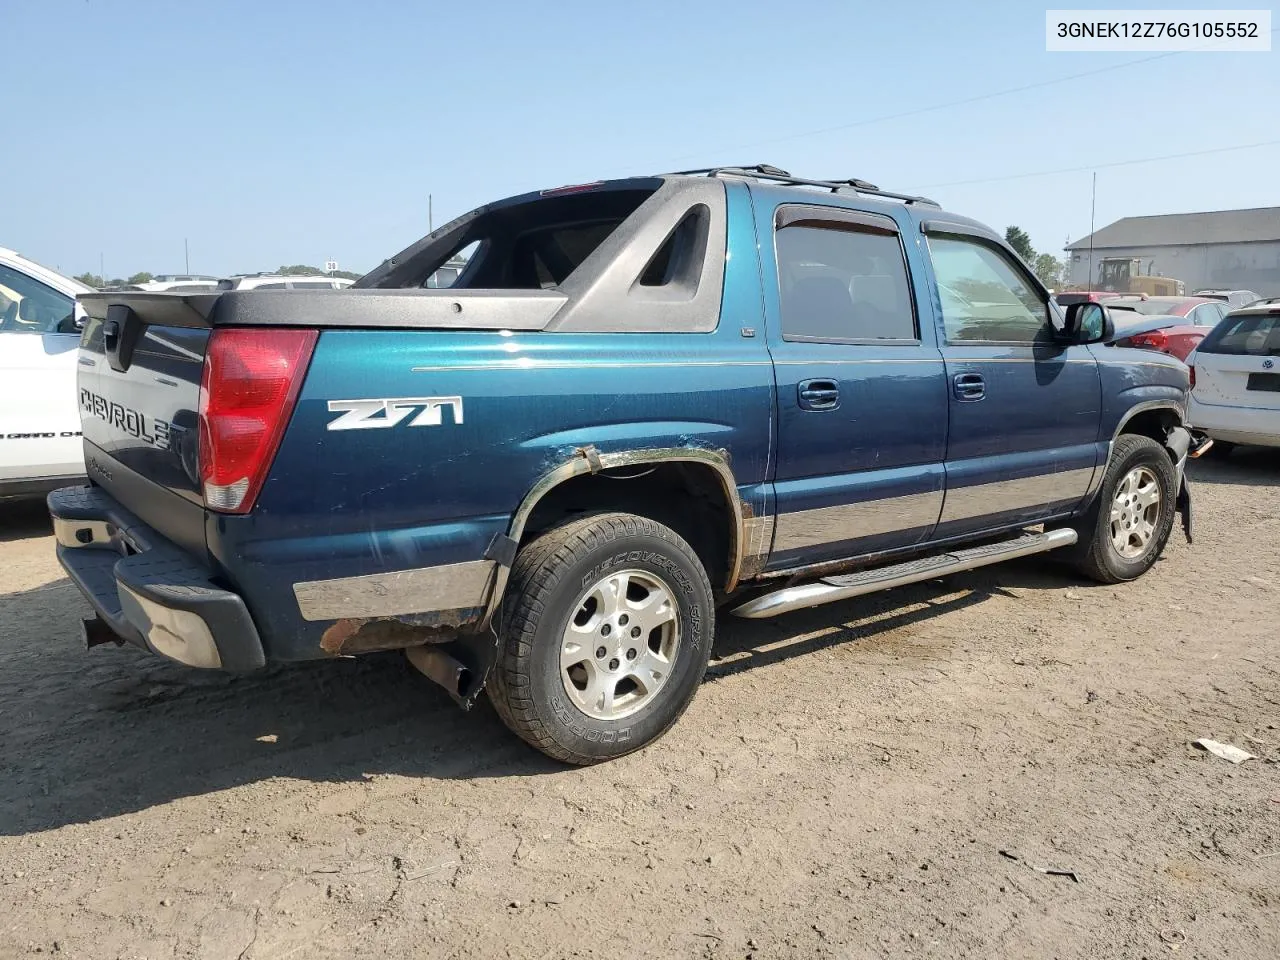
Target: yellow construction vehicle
1123, 275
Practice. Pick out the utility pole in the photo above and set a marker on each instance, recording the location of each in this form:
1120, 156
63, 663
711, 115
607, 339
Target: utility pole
102, 272
430, 215
1093, 209
186, 254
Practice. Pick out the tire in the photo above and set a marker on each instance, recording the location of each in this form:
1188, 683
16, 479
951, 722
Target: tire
1141, 462
563, 600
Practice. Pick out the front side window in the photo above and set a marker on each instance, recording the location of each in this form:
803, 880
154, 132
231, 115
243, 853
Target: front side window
28, 306
984, 296
841, 284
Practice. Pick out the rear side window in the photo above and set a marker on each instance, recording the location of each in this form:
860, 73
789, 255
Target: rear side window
530, 245
312, 284
442, 279
544, 258
1246, 336
1206, 315
839, 282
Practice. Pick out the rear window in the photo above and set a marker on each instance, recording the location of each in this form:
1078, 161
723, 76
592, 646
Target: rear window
532, 245
1256, 335
312, 285
1153, 307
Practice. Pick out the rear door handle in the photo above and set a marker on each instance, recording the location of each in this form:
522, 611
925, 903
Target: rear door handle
818, 394
969, 386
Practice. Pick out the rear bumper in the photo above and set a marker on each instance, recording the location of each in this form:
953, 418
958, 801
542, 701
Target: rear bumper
149, 592
35, 486
1236, 424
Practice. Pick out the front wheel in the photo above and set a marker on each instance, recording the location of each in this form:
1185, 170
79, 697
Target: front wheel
606, 632
1124, 533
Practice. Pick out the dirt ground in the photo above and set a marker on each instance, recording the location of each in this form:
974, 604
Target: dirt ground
849, 782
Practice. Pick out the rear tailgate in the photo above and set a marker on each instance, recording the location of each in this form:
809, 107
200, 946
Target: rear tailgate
141, 358
1238, 364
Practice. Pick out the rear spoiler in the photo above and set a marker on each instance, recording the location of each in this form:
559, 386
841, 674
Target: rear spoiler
411, 309
161, 309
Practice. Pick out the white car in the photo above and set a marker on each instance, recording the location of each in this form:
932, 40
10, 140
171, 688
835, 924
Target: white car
271, 281
1233, 298
174, 284
40, 446
1235, 379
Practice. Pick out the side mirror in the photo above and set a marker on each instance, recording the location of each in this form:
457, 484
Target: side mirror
71, 323
1088, 323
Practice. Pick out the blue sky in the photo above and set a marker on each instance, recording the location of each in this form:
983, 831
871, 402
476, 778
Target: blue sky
290, 131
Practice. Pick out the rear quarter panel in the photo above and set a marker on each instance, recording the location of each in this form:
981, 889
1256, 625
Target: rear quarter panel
345, 503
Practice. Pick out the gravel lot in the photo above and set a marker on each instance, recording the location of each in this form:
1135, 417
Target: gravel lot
847, 783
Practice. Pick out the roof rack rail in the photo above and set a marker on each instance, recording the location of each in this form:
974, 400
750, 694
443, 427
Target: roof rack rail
764, 171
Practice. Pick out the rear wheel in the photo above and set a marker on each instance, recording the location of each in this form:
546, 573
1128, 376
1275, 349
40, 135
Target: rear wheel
607, 628
1126, 530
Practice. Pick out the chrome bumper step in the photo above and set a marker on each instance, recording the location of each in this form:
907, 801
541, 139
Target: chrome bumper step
831, 589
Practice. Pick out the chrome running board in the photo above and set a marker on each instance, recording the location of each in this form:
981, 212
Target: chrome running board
831, 589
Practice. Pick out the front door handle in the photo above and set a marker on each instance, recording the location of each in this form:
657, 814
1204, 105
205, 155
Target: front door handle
818, 394
969, 386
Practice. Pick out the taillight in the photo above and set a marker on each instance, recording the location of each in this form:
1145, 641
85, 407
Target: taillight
1152, 339
1192, 371
250, 383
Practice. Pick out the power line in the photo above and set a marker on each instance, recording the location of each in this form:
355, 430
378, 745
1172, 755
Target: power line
952, 103
1103, 166
935, 107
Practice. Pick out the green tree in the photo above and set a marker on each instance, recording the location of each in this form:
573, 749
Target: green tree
90, 280
1049, 269
142, 277
1017, 238
302, 270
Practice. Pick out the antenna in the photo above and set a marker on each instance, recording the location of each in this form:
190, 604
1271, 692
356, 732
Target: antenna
1093, 209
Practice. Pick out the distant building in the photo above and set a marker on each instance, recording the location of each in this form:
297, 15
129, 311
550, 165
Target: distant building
1222, 249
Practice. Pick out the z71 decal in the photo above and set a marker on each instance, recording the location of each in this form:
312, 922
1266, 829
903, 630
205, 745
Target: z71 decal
387, 412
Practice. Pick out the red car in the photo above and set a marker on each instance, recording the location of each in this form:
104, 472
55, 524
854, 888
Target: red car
1172, 325
1085, 296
